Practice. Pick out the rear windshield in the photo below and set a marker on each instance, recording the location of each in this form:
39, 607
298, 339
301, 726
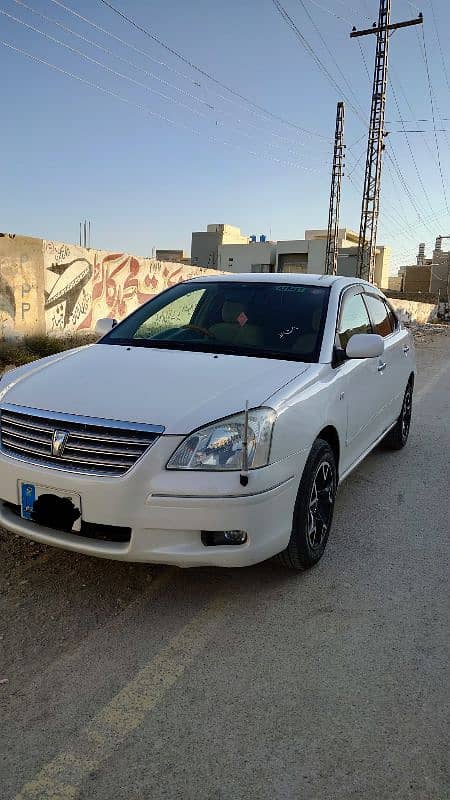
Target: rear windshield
270, 320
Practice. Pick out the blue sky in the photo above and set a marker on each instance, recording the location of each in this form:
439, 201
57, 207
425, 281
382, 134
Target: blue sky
71, 151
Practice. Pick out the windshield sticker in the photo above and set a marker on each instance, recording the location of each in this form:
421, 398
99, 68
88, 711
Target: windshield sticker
242, 319
285, 288
288, 332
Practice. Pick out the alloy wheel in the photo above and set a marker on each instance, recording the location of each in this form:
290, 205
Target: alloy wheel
320, 508
406, 413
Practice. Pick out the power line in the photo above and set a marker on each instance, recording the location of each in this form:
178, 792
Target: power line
417, 130
412, 121
364, 60
425, 58
125, 43
394, 79
152, 75
400, 209
400, 175
356, 164
413, 158
408, 227
390, 153
101, 65
111, 53
198, 69
329, 11
402, 91
127, 78
444, 65
347, 8
310, 50
386, 214
325, 44
148, 111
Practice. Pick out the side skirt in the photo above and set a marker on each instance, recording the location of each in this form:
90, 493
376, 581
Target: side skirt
366, 453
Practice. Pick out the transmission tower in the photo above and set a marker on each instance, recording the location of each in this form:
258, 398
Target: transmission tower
375, 145
331, 255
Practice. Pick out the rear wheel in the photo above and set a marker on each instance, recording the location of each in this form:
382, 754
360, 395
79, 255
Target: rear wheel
398, 435
313, 512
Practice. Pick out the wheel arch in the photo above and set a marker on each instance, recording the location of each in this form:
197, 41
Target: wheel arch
331, 436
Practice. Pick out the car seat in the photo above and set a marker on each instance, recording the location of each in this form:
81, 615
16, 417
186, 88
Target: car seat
306, 342
235, 327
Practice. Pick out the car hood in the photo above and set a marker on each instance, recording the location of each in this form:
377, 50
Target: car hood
177, 389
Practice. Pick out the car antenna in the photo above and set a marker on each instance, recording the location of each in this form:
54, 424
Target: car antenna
244, 471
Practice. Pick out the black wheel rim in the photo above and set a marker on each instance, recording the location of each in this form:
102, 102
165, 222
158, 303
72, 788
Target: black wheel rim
406, 413
320, 508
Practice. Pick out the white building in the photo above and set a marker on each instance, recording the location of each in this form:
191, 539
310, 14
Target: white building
300, 255
205, 244
251, 257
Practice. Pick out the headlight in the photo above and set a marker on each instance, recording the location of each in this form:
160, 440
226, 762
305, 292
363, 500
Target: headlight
219, 446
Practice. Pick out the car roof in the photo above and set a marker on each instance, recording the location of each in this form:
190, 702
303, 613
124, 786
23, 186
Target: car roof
282, 277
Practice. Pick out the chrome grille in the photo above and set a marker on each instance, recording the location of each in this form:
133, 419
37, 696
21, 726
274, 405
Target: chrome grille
94, 446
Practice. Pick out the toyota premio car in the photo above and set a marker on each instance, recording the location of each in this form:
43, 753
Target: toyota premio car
212, 426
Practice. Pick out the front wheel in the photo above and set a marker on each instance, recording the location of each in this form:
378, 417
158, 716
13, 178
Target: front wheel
313, 512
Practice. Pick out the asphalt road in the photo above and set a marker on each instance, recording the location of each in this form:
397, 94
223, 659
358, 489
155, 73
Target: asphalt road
133, 682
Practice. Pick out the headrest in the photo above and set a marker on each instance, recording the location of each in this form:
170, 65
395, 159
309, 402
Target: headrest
231, 311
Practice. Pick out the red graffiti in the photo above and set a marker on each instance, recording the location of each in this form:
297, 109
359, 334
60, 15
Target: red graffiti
118, 288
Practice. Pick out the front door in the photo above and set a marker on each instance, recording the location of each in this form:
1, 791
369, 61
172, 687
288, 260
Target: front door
357, 380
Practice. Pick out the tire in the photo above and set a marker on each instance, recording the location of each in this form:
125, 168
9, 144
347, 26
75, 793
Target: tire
313, 512
398, 435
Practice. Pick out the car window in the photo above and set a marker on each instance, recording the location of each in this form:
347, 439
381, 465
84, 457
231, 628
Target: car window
393, 319
180, 313
353, 319
265, 319
381, 321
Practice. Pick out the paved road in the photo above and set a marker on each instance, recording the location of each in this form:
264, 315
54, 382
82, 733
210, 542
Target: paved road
132, 682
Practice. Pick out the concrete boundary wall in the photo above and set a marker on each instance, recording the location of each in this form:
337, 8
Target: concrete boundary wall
414, 311
57, 288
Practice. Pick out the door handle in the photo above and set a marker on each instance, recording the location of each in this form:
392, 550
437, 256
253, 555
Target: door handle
381, 367
406, 349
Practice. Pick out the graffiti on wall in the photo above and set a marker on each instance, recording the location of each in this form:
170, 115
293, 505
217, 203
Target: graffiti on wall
19, 267
67, 300
83, 285
7, 306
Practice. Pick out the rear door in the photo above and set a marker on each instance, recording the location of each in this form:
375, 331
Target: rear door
393, 366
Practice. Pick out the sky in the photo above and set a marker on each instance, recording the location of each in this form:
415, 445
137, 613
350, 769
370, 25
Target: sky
150, 149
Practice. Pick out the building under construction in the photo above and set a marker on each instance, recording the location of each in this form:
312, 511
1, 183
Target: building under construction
428, 274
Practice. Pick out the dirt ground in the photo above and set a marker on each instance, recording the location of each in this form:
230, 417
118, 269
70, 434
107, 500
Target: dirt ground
141, 682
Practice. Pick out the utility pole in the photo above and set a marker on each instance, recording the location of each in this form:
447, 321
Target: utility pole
85, 233
331, 254
375, 145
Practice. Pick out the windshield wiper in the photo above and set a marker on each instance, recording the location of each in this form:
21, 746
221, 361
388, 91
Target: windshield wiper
209, 347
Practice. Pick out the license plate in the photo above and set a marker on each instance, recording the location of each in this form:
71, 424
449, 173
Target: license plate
50, 507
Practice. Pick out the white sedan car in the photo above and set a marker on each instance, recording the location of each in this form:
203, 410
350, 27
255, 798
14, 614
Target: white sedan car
212, 426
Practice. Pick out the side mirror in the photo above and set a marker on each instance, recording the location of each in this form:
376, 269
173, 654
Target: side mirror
365, 345
104, 326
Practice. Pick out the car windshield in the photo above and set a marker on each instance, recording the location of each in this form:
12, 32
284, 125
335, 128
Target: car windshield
269, 320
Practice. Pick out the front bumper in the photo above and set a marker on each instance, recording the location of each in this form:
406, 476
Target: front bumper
166, 510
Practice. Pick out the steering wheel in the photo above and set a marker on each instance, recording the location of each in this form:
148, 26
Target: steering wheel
199, 328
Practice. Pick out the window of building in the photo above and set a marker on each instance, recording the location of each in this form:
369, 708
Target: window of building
379, 314
353, 319
260, 267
